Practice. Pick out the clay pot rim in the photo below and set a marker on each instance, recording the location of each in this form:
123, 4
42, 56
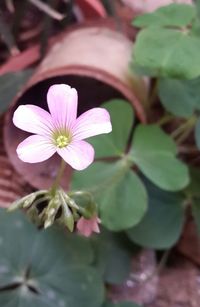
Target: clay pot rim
87, 71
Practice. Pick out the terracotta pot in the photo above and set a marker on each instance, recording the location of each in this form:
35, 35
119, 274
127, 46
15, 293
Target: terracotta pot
94, 60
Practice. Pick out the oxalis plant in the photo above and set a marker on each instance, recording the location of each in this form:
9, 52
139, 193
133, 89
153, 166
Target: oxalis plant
141, 185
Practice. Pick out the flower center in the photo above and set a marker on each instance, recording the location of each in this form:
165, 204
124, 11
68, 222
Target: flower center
62, 141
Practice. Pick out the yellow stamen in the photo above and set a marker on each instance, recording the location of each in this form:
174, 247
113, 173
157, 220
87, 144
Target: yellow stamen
62, 141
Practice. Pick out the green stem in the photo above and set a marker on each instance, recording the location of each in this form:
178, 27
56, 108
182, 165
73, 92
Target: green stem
184, 128
184, 135
165, 119
58, 178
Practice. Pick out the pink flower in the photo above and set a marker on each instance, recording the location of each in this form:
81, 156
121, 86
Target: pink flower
60, 130
87, 226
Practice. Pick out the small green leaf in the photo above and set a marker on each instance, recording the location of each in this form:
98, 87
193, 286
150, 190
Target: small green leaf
180, 97
115, 143
58, 265
112, 256
118, 191
162, 225
154, 153
122, 304
197, 133
167, 53
173, 15
10, 84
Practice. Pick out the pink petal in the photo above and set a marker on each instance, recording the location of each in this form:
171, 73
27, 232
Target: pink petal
33, 119
87, 226
78, 154
62, 101
35, 149
83, 226
93, 122
95, 226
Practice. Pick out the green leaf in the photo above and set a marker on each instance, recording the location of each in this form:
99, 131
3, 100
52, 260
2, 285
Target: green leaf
115, 143
10, 84
197, 133
192, 190
57, 265
162, 225
154, 153
121, 304
118, 191
167, 53
174, 15
180, 97
113, 256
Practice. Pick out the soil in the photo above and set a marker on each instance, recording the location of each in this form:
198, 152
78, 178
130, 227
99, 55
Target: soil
179, 286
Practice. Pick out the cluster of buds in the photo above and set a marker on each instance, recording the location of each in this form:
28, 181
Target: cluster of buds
44, 208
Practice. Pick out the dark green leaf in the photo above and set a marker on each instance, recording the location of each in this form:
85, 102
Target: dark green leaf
162, 225
174, 15
112, 256
154, 153
118, 191
115, 143
180, 97
168, 53
192, 190
10, 84
56, 264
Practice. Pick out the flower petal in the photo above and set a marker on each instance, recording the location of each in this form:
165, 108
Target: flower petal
78, 154
33, 119
93, 122
84, 227
35, 149
87, 226
62, 101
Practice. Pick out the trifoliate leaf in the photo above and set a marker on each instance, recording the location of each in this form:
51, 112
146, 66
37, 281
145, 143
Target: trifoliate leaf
162, 224
115, 143
154, 152
118, 191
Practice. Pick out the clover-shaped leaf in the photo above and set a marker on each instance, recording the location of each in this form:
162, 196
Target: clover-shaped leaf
180, 97
168, 46
45, 268
154, 152
162, 225
115, 143
113, 256
167, 53
118, 190
173, 15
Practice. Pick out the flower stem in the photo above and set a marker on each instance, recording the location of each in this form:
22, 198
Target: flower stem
183, 130
165, 119
58, 178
